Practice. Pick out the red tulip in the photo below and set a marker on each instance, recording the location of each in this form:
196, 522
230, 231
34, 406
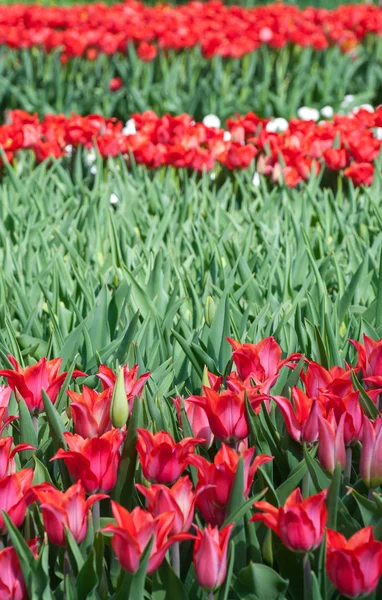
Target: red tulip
64, 510
370, 465
354, 565
133, 385
349, 406
300, 524
133, 532
220, 475
261, 361
180, 499
29, 382
7, 461
197, 417
90, 411
95, 461
210, 556
226, 414
115, 84
13, 497
162, 459
369, 361
301, 420
331, 444
319, 380
12, 584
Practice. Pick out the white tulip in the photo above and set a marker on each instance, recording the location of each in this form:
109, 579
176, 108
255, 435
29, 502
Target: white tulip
306, 113
114, 198
256, 179
327, 112
211, 121
277, 125
129, 128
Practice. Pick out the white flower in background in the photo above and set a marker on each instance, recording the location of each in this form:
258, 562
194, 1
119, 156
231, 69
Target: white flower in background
378, 133
256, 179
277, 125
211, 121
348, 99
306, 113
227, 136
69, 149
327, 112
367, 107
90, 157
129, 128
114, 198
213, 176
93, 170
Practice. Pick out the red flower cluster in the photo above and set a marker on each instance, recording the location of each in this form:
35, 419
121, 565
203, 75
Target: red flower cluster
221, 30
346, 144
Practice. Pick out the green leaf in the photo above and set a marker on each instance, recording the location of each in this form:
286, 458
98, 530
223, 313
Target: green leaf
333, 497
27, 430
366, 402
166, 585
257, 582
123, 492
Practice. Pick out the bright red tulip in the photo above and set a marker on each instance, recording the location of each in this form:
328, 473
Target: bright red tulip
13, 497
226, 414
29, 382
354, 565
95, 461
115, 84
349, 406
260, 362
64, 510
331, 444
7, 461
197, 417
133, 383
12, 584
162, 459
220, 475
179, 499
370, 465
300, 524
133, 532
301, 418
90, 411
369, 361
319, 380
210, 556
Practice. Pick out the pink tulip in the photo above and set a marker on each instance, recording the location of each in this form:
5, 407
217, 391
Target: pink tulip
12, 584
370, 463
13, 497
7, 460
301, 419
331, 444
369, 361
319, 380
210, 556
90, 411
197, 417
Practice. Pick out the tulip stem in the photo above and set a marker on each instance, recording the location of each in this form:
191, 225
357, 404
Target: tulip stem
210, 596
347, 471
308, 584
176, 559
35, 424
96, 516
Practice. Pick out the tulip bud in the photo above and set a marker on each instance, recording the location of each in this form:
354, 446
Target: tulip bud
205, 380
119, 409
209, 311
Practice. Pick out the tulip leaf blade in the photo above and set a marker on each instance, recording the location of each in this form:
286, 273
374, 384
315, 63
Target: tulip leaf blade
319, 479
257, 581
27, 431
236, 498
166, 584
41, 473
367, 404
24, 553
87, 579
123, 492
294, 478
224, 590
56, 428
137, 586
237, 514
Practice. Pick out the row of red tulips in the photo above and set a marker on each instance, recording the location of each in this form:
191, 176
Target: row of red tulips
346, 144
327, 407
220, 30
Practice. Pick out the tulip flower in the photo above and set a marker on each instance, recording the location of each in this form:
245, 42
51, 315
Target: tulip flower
261, 361
7, 461
133, 532
300, 524
318, 380
64, 510
369, 361
370, 465
210, 556
115, 84
95, 461
215, 480
12, 584
90, 411
350, 406
197, 417
180, 499
354, 565
13, 497
301, 420
162, 459
119, 409
29, 382
331, 444
226, 414
133, 385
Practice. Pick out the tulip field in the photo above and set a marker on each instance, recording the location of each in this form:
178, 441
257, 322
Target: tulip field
191, 300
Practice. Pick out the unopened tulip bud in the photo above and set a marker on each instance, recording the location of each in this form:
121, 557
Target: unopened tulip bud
209, 311
205, 380
119, 409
